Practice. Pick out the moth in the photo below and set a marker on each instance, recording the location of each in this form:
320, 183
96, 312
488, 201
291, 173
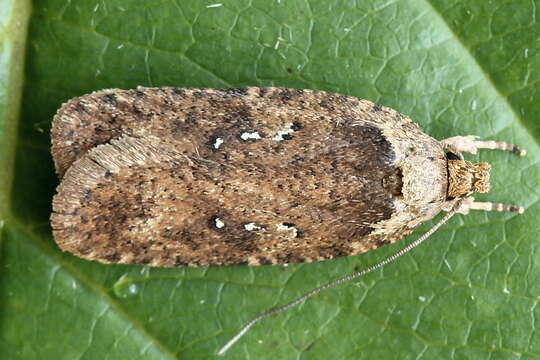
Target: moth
250, 176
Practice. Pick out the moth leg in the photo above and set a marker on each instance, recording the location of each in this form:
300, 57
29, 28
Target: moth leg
469, 204
471, 145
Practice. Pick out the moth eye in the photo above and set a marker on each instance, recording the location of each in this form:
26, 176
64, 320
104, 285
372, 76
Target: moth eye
254, 135
452, 156
217, 223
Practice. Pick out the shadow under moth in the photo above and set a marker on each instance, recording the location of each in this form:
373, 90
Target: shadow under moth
251, 176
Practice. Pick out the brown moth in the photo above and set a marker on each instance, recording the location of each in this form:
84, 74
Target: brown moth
253, 176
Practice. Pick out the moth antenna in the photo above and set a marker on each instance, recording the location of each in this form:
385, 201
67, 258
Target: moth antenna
341, 280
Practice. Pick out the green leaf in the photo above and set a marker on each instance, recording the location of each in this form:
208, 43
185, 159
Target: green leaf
456, 67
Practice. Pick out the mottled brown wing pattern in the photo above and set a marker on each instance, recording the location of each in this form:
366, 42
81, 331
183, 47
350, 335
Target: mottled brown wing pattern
198, 117
224, 177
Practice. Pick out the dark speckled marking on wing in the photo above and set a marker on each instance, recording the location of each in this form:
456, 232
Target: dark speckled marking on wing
313, 182
191, 115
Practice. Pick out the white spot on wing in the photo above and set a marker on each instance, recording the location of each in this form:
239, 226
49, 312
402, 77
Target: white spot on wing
288, 227
279, 135
214, 5
219, 223
252, 227
218, 142
250, 136
422, 298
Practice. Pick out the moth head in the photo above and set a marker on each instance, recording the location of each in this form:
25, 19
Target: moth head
465, 178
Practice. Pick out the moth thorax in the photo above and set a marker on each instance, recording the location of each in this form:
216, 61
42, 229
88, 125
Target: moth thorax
464, 178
